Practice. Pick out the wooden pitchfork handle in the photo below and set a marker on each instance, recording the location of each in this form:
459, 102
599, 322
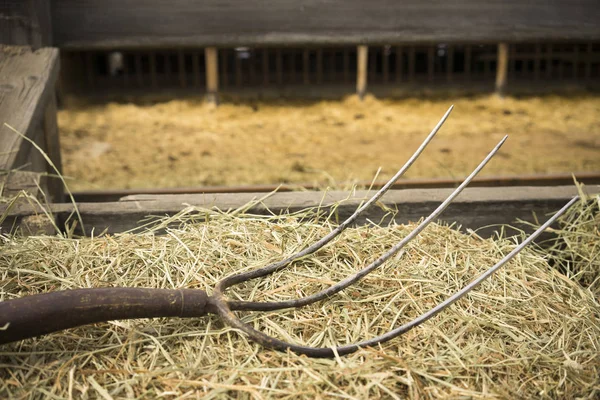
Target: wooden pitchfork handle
40, 314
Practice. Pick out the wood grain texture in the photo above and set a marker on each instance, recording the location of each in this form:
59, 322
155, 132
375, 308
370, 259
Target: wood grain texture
475, 208
162, 23
27, 80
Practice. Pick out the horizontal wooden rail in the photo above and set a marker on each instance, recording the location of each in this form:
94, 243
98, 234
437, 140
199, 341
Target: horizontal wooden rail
475, 208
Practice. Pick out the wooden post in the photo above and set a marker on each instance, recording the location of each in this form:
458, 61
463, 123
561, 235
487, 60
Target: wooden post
212, 74
501, 68
362, 57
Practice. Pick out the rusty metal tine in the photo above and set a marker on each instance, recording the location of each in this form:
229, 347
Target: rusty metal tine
271, 306
280, 345
234, 279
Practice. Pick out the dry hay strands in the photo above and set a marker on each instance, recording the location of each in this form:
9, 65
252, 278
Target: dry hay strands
527, 332
575, 248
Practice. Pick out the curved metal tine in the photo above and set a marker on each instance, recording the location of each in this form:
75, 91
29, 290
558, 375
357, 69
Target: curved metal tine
269, 269
277, 344
341, 285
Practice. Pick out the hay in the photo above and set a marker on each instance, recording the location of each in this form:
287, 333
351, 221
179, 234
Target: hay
186, 142
576, 249
529, 331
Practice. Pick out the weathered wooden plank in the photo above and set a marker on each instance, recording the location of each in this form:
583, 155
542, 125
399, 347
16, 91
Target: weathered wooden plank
27, 80
475, 208
174, 23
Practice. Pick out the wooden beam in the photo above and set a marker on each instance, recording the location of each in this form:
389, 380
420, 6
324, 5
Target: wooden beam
501, 68
113, 24
362, 59
212, 74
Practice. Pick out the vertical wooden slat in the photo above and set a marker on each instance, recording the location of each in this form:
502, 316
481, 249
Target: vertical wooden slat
549, 61
372, 63
411, 64
502, 66
292, 58
450, 64
89, 68
468, 62
168, 69
153, 80
430, 63
399, 64
212, 74
588, 63
138, 70
252, 67
362, 57
346, 66
279, 66
386, 65
575, 61
196, 68
319, 65
181, 68
265, 66
238, 69
125, 71
225, 66
536, 62
305, 67
561, 63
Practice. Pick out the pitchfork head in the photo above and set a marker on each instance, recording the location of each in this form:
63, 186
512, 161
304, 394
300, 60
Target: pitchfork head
226, 307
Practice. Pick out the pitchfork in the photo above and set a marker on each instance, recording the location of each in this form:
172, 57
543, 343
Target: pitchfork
40, 314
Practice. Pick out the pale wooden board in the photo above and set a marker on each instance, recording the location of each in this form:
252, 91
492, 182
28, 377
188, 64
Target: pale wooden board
90, 24
475, 208
27, 81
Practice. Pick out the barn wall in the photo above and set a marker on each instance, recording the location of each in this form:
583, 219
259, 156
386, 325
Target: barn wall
95, 24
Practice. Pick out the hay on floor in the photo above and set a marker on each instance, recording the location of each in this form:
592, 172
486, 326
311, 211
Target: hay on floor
528, 332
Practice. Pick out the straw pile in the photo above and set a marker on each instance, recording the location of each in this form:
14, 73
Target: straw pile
186, 142
528, 332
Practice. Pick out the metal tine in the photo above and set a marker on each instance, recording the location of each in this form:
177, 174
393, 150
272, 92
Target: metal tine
277, 344
269, 269
271, 306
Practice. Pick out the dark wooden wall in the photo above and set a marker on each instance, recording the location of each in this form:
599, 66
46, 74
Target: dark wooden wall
95, 24
25, 22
